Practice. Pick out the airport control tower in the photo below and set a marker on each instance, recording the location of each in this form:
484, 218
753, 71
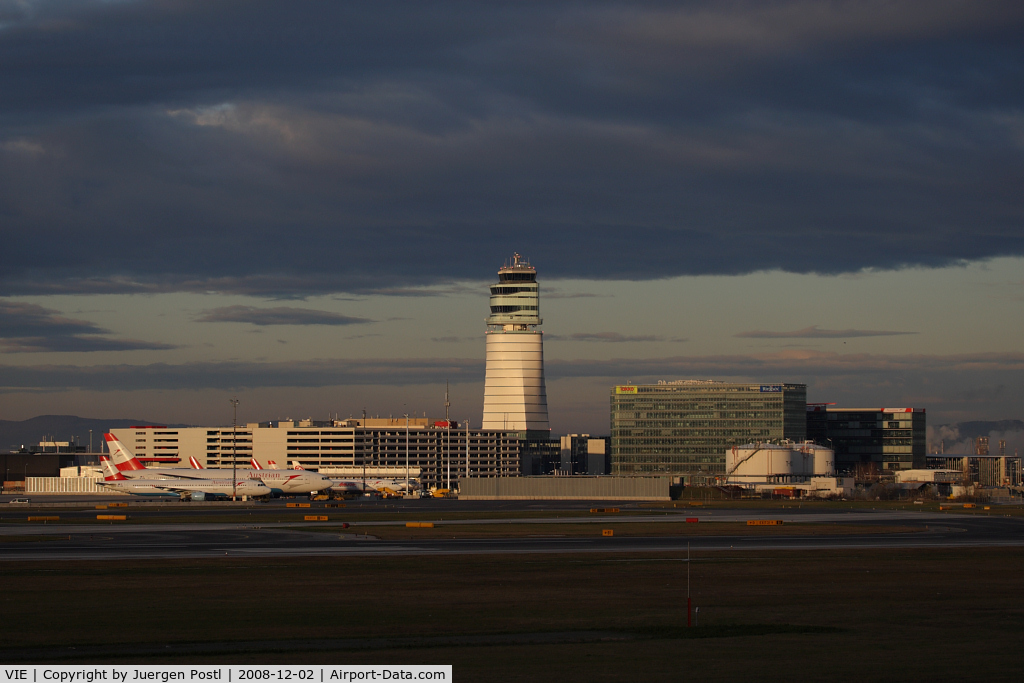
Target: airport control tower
514, 395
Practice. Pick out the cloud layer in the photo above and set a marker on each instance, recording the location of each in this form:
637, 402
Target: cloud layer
297, 148
814, 332
612, 337
30, 328
280, 315
790, 366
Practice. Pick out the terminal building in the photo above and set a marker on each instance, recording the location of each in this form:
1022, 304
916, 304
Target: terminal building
870, 442
439, 452
682, 429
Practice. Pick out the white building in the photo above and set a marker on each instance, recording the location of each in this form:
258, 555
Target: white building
515, 398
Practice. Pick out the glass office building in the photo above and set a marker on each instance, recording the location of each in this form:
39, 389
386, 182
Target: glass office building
682, 429
870, 441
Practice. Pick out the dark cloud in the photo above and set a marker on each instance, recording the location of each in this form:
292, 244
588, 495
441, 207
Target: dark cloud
814, 332
790, 366
28, 320
30, 328
288, 149
242, 374
548, 294
78, 344
613, 337
281, 315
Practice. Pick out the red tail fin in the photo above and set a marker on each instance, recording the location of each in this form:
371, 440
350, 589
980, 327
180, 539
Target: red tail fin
123, 460
255, 465
196, 465
110, 474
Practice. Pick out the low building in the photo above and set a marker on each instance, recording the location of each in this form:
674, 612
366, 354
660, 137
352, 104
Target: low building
980, 470
539, 453
584, 454
815, 487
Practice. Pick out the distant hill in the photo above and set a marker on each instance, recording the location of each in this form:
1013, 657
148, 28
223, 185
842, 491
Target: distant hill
972, 430
14, 434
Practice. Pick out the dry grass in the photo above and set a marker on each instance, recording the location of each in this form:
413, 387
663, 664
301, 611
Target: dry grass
903, 615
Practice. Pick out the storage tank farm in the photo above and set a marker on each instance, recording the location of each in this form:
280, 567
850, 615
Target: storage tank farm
781, 463
515, 398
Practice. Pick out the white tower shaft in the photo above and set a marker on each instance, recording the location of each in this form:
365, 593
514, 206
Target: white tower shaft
515, 398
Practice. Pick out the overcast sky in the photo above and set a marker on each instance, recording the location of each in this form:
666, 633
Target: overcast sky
302, 203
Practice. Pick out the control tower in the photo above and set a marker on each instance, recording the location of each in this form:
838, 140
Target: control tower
514, 395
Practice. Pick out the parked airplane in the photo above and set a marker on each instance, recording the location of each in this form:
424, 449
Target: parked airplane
359, 485
279, 481
197, 489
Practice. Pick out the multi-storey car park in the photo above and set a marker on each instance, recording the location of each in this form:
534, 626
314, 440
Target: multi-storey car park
439, 452
683, 428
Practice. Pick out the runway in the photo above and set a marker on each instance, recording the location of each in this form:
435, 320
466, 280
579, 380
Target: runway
179, 541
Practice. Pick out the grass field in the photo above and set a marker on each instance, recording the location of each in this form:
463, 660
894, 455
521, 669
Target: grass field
873, 615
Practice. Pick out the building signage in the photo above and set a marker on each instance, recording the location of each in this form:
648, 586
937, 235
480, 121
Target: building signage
625, 390
771, 389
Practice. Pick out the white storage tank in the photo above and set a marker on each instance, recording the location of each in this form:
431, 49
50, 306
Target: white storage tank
824, 461
758, 462
785, 462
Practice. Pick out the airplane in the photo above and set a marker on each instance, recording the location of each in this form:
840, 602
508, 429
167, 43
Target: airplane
196, 489
279, 481
376, 485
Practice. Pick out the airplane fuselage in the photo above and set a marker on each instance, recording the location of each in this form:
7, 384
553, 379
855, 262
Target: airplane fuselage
170, 487
278, 481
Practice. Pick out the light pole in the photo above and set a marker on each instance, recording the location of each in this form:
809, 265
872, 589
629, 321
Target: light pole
407, 455
234, 448
90, 441
447, 439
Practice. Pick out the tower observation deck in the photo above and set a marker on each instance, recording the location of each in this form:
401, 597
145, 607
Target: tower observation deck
515, 397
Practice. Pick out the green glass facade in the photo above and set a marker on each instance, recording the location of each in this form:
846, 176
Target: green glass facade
683, 429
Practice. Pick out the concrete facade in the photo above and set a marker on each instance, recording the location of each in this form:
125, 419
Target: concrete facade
438, 454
